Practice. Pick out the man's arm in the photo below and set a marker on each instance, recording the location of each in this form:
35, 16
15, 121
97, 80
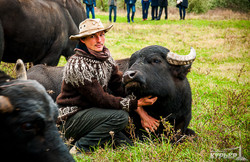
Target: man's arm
148, 122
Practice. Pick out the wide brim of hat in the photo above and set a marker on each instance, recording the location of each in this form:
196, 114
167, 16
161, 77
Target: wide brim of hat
82, 35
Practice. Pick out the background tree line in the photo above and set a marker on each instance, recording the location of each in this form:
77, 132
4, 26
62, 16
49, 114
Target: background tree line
196, 6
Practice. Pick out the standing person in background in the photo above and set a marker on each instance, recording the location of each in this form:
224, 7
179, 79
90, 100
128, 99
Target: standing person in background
145, 6
90, 5
112, 6
154, 11
182, 5
163, 4
130, 5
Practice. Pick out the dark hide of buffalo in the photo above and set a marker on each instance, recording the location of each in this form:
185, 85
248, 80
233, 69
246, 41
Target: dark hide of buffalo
27, 119
1, 41
38, 30
49, 76
149, 74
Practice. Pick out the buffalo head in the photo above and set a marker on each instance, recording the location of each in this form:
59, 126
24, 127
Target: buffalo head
155, 71
27, 123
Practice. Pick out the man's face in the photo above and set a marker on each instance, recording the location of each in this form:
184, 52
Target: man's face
95, 41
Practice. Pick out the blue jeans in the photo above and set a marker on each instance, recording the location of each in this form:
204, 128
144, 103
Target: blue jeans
90, 8
112, 7
145, 6
182, 9
130, 6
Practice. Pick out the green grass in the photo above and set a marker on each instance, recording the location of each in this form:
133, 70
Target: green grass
219, 79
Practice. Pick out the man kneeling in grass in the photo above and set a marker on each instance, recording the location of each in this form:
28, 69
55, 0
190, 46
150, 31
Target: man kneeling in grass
86, 109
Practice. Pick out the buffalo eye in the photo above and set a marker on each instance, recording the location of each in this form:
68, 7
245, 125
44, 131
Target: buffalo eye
33, 127
28, 126
157, 61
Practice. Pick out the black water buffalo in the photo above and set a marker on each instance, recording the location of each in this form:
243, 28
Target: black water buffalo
155, 71
38, 30
27, 123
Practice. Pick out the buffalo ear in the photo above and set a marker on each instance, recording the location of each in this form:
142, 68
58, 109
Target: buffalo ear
181, 71
5, 105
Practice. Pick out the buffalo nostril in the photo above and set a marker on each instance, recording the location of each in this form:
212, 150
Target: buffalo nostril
132, 74
129, 76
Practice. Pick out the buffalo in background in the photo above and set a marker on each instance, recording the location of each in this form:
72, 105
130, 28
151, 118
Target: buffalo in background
38, 30
49, 76
27, 123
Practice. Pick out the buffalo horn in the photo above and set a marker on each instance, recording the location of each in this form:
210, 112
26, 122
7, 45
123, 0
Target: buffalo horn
5, 105
176, 59
20, 70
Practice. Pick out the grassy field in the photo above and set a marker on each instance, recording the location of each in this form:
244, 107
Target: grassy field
219, 80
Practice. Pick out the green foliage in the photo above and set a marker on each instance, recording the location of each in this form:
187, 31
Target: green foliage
121, 4
201, 6
237, 5
102, 4
198, 6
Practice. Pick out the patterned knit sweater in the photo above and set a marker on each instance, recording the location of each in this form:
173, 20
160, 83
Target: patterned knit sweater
85, 84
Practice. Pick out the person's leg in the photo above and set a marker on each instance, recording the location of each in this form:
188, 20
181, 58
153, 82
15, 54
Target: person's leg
128, 13
156, 12
92, 126
184, 13
160, 12
154, 9
166, 12
143, 4
93, 12
114, 7
133, 13
180, 8
147, 7
152, 12
110, 12
87, 11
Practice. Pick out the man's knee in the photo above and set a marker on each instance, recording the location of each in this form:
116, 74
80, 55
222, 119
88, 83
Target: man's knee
121, 117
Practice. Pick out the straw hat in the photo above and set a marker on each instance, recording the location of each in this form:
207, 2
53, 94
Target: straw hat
89, 27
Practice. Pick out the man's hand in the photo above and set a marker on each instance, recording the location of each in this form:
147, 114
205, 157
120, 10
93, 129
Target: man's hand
148, 123
146, 101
